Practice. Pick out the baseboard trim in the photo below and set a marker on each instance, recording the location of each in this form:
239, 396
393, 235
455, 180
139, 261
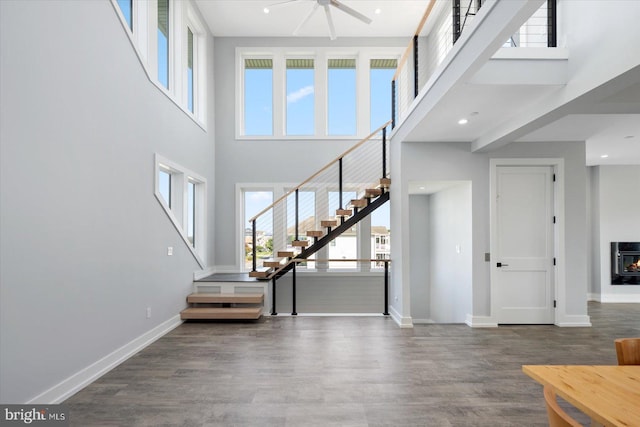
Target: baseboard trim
422, 321
620, 298
68, 387
594, 297
480, 321
403, 322
575, 321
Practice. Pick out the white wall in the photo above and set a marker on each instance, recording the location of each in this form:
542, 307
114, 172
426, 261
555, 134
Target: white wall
418, 161
619, 221
450, 254
83, 239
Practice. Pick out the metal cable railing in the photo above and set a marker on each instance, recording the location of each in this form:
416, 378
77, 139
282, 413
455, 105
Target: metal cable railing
319, 204
443, 22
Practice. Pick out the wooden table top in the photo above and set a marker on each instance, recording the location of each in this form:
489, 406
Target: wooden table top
610, 395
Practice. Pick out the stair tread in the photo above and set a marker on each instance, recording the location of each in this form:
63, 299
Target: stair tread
225, 298
329, 223
286, 254
221, 313
273, 263
300, 243
315, 233
359, 203
344, 212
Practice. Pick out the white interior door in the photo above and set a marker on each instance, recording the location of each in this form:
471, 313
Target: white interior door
522, 245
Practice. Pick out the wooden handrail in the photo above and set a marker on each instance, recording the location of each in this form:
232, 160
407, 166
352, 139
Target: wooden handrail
407, 51
367, 138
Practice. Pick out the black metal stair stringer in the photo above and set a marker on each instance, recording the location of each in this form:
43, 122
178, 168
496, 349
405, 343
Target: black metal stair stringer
335, 232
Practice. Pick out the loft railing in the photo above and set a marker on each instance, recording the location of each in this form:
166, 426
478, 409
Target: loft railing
294, 299
308, 211
441, 26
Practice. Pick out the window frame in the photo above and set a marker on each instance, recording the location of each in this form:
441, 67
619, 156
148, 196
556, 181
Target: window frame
181, 178
321, 55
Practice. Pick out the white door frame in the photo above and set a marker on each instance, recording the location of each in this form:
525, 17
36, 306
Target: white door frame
559, 283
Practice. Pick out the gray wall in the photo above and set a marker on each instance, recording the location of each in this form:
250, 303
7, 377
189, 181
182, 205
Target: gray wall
83, 239
450, 272
618, 213
420, 260
415, 161
262, 161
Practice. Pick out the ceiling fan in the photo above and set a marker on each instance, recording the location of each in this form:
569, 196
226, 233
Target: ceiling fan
327, 10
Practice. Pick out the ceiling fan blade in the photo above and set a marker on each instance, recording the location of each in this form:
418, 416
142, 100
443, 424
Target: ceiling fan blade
332, 29
306, 19
349, 11
281, 3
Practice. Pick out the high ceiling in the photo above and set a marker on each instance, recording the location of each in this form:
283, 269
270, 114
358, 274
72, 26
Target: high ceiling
610, 127
246, 18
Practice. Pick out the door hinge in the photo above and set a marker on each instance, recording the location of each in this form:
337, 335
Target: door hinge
554, 261
554, 219
554, 177
554, 303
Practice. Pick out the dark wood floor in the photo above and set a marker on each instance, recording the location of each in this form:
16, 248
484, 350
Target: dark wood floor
345, 371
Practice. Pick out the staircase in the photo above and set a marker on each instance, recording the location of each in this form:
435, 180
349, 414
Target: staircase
356, 210
219, 306
361, 170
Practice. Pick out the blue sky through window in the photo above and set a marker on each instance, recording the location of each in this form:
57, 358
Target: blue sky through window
258, 101
300, 98
380, 96
342, 101
125, 8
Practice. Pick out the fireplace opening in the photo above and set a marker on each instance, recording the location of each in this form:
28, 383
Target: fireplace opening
625, 263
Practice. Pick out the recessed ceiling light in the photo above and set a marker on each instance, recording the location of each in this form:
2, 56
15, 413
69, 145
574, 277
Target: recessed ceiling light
422, 188
604, 156
265, 10
377, 11
463, 121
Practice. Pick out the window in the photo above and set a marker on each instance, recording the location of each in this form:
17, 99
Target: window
182, 195
163, 42
341, 82
381, 234
164, 185
381, 73
258, 96
190, 77
300, 97
344, 246
254, 203
191, 212
126, 7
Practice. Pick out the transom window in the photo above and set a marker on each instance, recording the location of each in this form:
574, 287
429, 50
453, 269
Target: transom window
325, 93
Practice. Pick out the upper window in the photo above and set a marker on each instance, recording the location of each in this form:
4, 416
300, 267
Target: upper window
126, 7
300, 97
164, 185
341, 91
190, 76
323, 93
163, 42
381, 73
258, 96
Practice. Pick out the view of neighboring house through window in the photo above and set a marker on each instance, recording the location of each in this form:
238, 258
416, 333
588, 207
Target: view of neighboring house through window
258, 96
300, 97
381, 234
344, 246
190, 82
382, 71
126, 7
254, 203
164, 186
191, 212
163, 42
341, 82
